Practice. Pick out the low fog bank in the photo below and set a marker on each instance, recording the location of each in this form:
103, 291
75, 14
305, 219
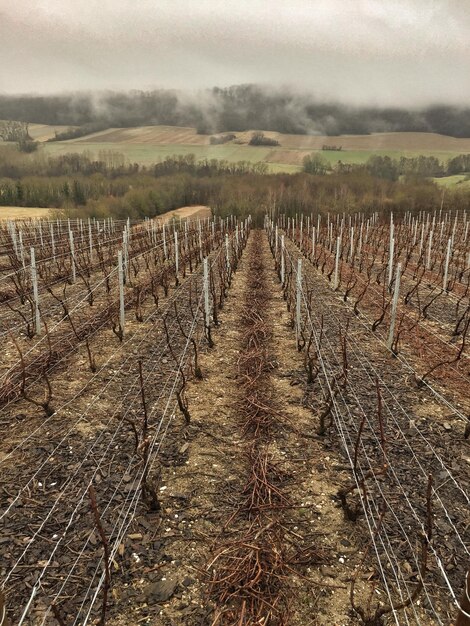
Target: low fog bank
236, 108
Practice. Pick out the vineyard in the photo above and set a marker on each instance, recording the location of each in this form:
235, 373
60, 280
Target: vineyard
206, 422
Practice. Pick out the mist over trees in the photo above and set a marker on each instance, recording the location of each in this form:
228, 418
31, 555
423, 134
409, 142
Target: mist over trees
236, 108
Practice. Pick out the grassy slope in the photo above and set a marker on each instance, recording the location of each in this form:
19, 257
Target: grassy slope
150, 144
459, 181
151, 153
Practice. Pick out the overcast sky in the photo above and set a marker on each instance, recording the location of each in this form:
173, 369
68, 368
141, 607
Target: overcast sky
361, 51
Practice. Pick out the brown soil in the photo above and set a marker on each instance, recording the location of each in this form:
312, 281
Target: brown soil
148, 135
425, 434
375, 141
162, 570
199, 496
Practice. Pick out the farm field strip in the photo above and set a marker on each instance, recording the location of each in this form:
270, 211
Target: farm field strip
127, 341
160, 256
255, 525
230, 432
150, 144
398, 142
376, 299
366, 322
165, 405
356, 347
66, 355
120, 527
329, 324
436, 329
87, 270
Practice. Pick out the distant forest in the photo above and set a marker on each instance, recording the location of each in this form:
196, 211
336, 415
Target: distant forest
111, 186
236, 108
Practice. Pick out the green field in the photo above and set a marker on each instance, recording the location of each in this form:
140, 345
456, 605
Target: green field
151, 144
461, 181
147, 154
150, 153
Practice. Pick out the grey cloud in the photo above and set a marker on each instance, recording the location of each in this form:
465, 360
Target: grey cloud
402, 52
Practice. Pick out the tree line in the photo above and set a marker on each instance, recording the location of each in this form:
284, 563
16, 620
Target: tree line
391, 169
113, 164
81, 186
235, 108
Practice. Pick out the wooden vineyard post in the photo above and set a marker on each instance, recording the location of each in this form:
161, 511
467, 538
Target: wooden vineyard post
394, 307
227, 254
207, 313
351, 249
125, 247
177, 261
72, 257
122, 318
298, 300
22, 250
446, 267
463, 618
90, 239
283, 260
390, 261
14, 240
338, 245
34, 280
165, 251
201, 254
313, 242
428, 262
421, 241
359, 246
52, 241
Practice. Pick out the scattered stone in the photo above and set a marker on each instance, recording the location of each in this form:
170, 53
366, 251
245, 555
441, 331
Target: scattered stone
161, 591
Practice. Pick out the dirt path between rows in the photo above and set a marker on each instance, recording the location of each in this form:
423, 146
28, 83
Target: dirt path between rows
203, 482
